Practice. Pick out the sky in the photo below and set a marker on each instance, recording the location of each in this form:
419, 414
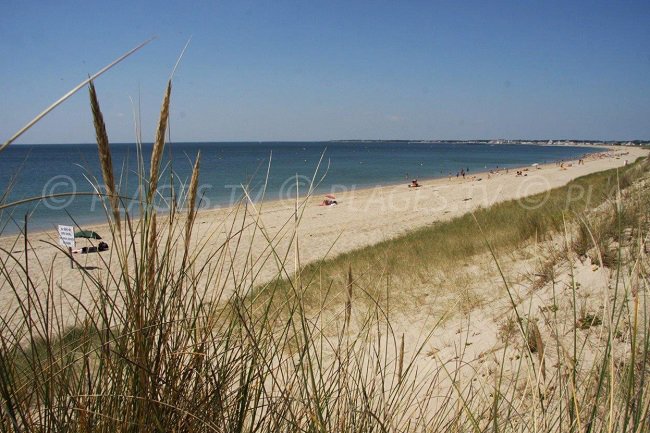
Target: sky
330, 70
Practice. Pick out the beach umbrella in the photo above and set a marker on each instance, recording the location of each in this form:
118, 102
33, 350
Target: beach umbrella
88, 234
535, 164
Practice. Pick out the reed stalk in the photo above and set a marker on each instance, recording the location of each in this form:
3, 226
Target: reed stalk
105, 159
191, 202
159, 144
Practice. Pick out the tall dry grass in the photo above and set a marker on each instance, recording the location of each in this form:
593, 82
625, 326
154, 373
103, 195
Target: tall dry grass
157, 348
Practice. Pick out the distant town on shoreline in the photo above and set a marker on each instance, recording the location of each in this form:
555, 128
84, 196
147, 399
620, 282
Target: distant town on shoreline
562, 142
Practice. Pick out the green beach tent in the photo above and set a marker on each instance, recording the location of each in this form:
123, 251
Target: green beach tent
88, 234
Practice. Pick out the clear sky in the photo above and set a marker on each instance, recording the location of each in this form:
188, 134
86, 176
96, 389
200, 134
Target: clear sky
321, 70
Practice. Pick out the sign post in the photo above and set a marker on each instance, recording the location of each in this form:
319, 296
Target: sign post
66, 239
26, 256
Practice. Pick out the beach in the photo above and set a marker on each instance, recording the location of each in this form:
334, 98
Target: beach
269, 231
52, 169
424, 330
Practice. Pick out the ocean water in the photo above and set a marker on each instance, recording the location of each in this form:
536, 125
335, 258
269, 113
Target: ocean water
39, 170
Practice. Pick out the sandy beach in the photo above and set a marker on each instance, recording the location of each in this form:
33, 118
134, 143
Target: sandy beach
463, 321
361, 217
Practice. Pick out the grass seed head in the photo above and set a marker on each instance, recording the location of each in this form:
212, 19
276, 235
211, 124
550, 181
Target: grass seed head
159, 142
104, 152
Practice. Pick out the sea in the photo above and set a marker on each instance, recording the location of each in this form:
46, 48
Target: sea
57, 174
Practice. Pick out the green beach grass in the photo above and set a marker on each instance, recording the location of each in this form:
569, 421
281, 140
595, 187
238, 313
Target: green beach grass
508, 226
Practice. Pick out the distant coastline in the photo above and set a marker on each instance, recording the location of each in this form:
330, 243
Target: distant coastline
538, 142
545, 142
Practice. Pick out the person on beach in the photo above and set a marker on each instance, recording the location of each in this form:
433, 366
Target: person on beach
414, 184
103, 246
328, 202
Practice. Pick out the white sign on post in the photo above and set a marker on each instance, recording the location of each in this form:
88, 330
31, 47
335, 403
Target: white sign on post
66, 236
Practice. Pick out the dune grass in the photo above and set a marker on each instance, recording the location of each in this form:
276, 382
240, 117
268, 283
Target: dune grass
417, 256
157, 348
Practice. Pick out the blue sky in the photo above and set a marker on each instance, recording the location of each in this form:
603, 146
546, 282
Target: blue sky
321, 70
